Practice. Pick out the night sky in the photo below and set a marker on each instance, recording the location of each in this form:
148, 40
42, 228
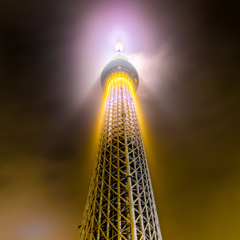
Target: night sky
187, 54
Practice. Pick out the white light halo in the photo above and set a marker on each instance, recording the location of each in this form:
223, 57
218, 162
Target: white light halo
119, 47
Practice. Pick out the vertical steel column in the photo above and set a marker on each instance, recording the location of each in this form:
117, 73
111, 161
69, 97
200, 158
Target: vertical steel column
129, 180
136, 179
118, 184
102, 146
109, 179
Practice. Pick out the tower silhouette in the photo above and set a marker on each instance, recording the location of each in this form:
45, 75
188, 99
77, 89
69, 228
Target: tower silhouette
120, 203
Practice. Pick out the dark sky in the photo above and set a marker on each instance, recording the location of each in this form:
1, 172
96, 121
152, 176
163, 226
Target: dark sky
187, 54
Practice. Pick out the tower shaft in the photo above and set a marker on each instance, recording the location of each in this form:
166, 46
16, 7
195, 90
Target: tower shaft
120, 202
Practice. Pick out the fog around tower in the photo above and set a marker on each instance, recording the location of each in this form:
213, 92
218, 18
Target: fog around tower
187, 57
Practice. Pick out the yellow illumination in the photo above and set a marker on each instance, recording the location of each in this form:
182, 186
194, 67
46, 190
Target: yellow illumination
120, 129
127, 81
119, 78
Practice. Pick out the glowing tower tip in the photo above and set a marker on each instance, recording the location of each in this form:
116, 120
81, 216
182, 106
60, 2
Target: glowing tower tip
119, 48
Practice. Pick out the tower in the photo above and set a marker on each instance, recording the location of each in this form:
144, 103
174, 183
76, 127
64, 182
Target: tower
120, 203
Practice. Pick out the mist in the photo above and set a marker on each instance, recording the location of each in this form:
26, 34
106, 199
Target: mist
187, 57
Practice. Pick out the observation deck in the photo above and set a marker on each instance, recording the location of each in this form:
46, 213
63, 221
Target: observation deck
119, 64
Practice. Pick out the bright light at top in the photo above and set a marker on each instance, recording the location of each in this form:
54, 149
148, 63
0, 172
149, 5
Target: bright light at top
119, 47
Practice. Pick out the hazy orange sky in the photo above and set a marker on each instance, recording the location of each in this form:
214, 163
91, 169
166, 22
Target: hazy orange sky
187, 56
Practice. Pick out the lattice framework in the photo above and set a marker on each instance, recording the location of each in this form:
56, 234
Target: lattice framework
120, 202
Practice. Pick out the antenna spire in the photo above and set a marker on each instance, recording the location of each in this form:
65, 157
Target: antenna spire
119, 48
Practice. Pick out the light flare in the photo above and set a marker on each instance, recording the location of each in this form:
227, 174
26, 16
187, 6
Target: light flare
119, 47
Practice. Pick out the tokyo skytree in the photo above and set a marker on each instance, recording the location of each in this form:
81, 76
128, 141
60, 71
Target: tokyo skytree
120, 203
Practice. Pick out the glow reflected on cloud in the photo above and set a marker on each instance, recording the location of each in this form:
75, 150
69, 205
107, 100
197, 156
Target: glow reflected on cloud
151, 69
105, 25
36, 230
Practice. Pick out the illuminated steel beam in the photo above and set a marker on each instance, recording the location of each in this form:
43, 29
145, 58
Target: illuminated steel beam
120, 203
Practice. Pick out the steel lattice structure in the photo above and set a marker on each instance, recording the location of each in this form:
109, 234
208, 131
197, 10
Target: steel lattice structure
120, 203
